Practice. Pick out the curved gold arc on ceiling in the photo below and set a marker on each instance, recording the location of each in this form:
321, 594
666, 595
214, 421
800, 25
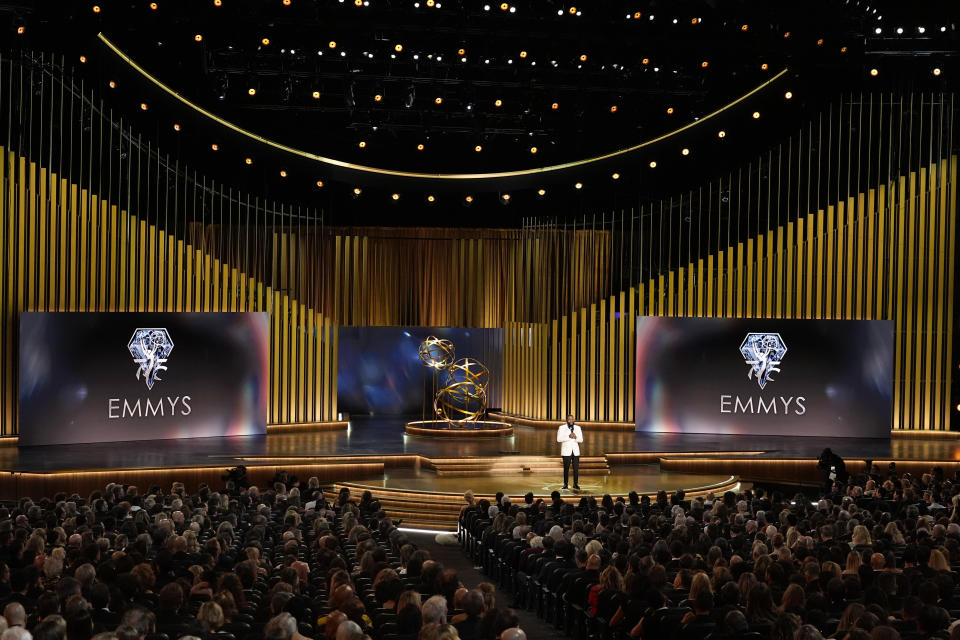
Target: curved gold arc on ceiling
413, 174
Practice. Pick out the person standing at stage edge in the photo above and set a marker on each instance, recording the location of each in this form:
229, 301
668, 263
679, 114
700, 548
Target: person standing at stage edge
570, 436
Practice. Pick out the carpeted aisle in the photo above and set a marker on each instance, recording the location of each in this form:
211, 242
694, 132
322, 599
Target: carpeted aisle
454, 558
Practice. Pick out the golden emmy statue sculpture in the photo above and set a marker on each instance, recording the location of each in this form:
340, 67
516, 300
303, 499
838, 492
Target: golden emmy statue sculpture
462, 398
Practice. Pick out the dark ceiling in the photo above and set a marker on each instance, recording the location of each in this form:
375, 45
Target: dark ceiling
478, 87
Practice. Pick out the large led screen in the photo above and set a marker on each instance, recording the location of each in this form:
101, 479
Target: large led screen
765, 377
103, 377
379, 371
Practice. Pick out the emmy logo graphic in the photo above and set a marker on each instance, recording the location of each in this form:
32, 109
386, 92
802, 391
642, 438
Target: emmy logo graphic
150, 349
763, 352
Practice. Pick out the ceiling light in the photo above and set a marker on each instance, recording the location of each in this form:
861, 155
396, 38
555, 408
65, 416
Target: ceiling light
573, 11
252, 91
685, 151
721, 134
218, 3
362, 144
704, 64
153, 6
395, 196
505, 197
873, 72
498, 102
669, 111
555, 106
143, 106
286, 3
431, 198
820, 42
578, 185
788, 95
112, 84
637, 15
438, 100
645, 61
378, 97
523, 54
316, 95
198, 37
936, 71
248, 160
504, 6
899, 30
320, 183
420, 147
468, 199
756, 115
744, 27
332, 44
83, 59
615, 176
357, 191
478, 148
283, 173
176, 126
613, 108
921, 29
843, 49
764, 66
583, 57
96, 8
653, 164
533, 150
786, 35
265, 41
214, 147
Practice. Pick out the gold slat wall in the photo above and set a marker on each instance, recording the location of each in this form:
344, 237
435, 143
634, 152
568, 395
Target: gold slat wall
884, 251
92, 218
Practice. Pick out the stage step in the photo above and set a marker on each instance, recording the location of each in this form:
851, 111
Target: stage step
513, 465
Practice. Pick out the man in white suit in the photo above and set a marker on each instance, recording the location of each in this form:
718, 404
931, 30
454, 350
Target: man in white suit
570, 436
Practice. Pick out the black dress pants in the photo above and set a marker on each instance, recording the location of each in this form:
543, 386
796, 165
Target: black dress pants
576, 470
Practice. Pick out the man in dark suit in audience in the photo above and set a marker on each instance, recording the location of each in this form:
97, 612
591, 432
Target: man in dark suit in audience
469, 629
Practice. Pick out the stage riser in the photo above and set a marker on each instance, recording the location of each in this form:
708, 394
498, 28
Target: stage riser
520, 472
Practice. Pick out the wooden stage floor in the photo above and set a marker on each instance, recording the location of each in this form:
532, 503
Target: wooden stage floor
422, 474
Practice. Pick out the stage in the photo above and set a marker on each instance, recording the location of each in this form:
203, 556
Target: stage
422, 478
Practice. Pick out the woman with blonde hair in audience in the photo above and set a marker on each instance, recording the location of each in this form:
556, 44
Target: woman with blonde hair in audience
829, 570
210, 617
611, 582
892, 531
938, 561
861, 537
699, 583
849, 619
746, 582
853, 564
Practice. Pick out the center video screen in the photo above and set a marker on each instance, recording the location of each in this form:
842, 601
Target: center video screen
379, 371
765, 376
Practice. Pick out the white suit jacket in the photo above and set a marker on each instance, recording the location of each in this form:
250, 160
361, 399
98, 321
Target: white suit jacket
569, 447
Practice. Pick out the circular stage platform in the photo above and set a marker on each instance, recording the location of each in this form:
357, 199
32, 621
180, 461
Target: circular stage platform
443, 429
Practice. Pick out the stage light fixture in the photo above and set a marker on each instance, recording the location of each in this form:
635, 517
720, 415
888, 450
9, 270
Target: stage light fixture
744, 27
431, 198
468, 200
921, 29
153, 6
357, 191
248, 160
874, 72
899, 31
637, 15
362, 144
704, 64
820, 42
198, 37
332, 44
420, 147
505, 198
669, 111
615, 176
764, 66
461, 51
613, 108
685, 151
478, 148
721, 134
438, 100
583, 57
358, 3
645, 61
286, 3
176, 126
523, 54
214, 147
83, 59
398, 48
578, 185
533, 150
786, 34
936, 71
504, 6
395, 196
316, 95
283, 173
218, 3
498, 102
431, 3
653, 164
843, 49
555, 106
756, 115
320, 183
96, 8
541, 192
265, 41
112, 84
378, 97
788, 95
252, 91
573, 11
143, 106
